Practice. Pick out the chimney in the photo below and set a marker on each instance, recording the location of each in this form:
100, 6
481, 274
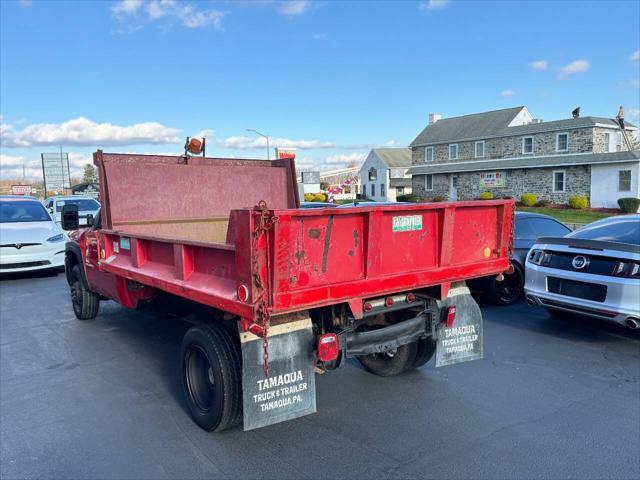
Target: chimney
434, 117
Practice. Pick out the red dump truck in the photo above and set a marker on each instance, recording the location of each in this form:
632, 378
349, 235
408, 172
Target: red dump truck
278, 293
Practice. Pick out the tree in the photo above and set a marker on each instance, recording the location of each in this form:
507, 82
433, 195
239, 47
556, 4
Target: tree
90, 174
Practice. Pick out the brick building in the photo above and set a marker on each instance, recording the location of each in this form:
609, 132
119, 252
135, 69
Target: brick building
509, 152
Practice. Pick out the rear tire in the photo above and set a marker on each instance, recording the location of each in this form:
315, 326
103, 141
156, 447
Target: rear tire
385, 365
85, 302
211, 376
426, 348
509, 290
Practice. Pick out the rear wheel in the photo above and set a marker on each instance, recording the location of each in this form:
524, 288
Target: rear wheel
509, 290
85, 302
390, 363
426, 348
211, 376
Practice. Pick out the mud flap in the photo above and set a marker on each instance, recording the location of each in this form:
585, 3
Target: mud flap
463, 341
290, 390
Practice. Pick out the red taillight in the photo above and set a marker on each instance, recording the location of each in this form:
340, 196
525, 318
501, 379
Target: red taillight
451, 316
243, 293
389, 301
411, 297
367, 306
328, 347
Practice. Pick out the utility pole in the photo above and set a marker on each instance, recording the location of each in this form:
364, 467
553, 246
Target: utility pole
265, 136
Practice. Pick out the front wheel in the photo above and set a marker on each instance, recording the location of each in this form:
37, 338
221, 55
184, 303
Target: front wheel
211, 377
390, 363
85, 302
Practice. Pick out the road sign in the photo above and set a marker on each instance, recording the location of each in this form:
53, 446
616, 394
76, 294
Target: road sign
55, 169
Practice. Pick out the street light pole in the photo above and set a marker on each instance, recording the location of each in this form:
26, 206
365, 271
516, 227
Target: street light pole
265, 136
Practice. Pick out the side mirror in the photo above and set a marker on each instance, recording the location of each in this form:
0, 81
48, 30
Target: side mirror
89, 220
70, 218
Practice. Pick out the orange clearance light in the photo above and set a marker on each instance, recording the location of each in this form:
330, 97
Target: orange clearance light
194, 146
328, 347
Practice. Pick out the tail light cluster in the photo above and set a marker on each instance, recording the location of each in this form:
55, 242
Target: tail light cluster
538, 257
627, 269
328, 347
388, 301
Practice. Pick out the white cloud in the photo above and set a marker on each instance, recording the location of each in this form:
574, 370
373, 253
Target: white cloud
84, 132
577, 66
507, 93
241, 142
391, 143
345, 159
187, 14
431, 5
293, 8
635, 56
539, 64
634, 114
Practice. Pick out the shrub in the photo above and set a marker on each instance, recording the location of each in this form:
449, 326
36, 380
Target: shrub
320, 197
578, 202
529, 199
439, 198
407, 198
629, 204
543, 203
308, 197
486, 196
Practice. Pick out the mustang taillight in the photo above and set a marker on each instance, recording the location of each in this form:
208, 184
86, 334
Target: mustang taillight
328, 347
627, 269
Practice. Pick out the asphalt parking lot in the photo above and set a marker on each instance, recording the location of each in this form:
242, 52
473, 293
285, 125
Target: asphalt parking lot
101, 399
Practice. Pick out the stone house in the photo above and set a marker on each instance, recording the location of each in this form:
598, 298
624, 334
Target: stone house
509, 152
385, 174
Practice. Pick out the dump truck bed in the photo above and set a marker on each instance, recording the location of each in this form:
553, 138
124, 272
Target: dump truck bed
194, 231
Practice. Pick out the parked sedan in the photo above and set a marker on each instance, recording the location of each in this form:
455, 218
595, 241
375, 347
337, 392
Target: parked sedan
594, 271
528, 228
29, 238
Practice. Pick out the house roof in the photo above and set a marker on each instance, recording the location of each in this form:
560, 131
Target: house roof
483, 125
476, 125
394, 157
526, 162
400, 182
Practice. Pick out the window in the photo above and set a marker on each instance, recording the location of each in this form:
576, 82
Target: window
428, 154
624, 229
562, 142
558, 181
428, 182
373, 174
399, 190
373, 189
364, 189
527, 145
480, 149
23, 211
82, 203
534, 227
453, 151
618, 142
607, 141
624, 180
382, 191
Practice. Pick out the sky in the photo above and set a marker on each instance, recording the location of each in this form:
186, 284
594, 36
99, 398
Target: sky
332, 78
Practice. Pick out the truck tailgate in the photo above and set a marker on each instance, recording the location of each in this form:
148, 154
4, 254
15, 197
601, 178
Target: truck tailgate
320, 256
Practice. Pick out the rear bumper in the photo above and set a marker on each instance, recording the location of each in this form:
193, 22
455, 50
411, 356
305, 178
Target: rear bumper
620, 304
388, 338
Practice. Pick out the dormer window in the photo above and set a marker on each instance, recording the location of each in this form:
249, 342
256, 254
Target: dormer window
562, 142
527, 145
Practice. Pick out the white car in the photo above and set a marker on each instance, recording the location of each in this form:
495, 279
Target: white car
86, 206
29, 238
593, 271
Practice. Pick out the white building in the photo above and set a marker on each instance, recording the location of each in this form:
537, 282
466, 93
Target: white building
384, 174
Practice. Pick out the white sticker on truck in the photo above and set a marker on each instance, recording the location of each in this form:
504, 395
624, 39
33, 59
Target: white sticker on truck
407, 223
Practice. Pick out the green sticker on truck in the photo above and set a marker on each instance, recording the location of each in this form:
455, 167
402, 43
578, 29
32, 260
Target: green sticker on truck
407, 223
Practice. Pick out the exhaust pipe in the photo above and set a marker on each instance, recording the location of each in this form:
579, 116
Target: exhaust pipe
530, 301
633, 323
